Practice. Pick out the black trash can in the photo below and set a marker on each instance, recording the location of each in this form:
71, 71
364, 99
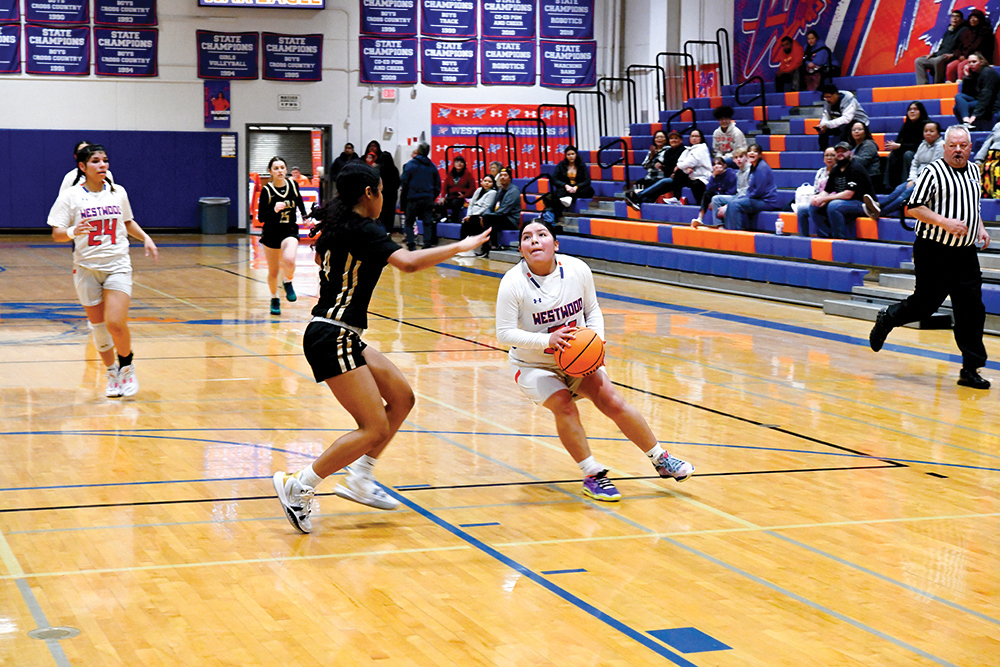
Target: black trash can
214, 214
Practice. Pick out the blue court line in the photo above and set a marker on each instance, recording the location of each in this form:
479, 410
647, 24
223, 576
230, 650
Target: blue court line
158, 245
478, 525
573, 571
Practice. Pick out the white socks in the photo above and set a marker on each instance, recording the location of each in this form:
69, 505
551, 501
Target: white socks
309, 477
655, 452
364, 466
590, 467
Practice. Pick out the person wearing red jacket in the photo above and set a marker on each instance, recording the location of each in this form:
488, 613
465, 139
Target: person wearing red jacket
457, 187
789, 55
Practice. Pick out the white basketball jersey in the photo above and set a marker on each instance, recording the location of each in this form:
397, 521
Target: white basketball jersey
105, 248
531, 307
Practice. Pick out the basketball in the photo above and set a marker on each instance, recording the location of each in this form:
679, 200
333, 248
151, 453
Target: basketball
583, 356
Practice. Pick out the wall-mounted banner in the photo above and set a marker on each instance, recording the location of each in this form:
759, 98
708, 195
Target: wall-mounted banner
567, 19
292, 57
508, 63
448, 18
9, 10
125, 12
58, 50
266, 4
388, 60
227, 55
125, 52
504, 19
389, 17
448, 63
56, 11
217, 103
569, 64
10, 49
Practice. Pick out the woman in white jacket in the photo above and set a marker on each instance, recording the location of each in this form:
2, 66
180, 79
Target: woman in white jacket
483, 200
694, 168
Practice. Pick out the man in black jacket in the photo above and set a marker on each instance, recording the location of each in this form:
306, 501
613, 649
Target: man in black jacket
420, 184
507, 212
945, 53
977, 102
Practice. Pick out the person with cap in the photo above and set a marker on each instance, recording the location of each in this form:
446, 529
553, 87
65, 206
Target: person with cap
843, 197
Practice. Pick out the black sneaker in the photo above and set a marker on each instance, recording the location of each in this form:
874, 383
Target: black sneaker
872, 209
290, 292
970, 377
631, 201
881, 329
276, 306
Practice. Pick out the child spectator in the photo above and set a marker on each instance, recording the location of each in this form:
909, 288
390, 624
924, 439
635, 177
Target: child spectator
719, 202
722, 182
727, 138
762, 195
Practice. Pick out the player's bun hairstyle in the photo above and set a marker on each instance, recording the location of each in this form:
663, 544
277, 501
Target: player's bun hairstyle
83, 155
338, 216
276, 158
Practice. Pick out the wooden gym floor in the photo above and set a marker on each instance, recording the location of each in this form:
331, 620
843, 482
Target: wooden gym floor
844, 510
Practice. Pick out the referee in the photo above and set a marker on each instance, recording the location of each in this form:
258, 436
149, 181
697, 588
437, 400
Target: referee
945, 202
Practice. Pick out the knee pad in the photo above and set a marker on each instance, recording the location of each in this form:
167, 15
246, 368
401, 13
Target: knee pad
102, 339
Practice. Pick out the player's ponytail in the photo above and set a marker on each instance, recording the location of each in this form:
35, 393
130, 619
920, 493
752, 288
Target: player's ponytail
83, 156
353, 182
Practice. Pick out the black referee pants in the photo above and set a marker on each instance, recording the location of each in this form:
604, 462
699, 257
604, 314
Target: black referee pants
943, 271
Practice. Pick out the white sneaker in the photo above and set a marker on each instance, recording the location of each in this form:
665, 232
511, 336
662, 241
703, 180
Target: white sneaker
466, 253
669, 466
113, 389
296, 499
365, 491
566, 201
127, 380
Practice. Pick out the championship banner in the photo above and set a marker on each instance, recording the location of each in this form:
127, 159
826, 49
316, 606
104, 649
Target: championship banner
389, 17
266, 4
58, 50
292, 57
508, 63
459, 124
388, 60
569, 64
9, 10
448, 63
567, 19
125, 12
227, 55
503, 19
125, 52
217, 106
448, 18
10, 49
56, 11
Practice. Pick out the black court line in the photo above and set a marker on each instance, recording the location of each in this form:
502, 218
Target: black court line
240, 275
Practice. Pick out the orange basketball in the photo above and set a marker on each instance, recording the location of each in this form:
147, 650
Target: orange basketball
583, 356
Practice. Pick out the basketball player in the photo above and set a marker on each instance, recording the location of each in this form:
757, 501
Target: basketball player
74, 175
352, 248
542, 301
280, 236
97, 217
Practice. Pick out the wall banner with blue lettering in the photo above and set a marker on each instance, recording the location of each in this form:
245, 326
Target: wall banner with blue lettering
292, 57
9, 10
389, 61
125, 12
448, 18
125, 52
569, 64
217, 104
227, 55
389, 17
508, 19
448, 63
57, 11
567, 19
64, 50
508, 63
10, 49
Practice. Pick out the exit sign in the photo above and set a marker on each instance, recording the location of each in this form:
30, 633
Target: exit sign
389, 94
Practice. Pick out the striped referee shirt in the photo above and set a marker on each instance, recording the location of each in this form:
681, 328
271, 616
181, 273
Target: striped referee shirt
952, 193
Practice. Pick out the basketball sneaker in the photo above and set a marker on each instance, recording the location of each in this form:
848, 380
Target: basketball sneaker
360, 489
296, 499
669, 466
276, 306
113, 389
599, 487
290, 292
128, 382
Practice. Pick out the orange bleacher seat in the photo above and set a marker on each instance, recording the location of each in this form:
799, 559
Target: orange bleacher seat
777, 142
879, 138
619, 229
773, 159
791, 99
905, 93
632, 213
736, 241
687, 236
715, 102
596, 173
948, 106
810, 125
866, 228
791, 222
822, 250
618, 172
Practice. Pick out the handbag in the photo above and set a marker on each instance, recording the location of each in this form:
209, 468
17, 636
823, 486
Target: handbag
803, 196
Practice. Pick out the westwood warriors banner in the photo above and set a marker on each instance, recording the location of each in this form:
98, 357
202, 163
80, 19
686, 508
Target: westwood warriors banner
292, 57
569, 64
448, 18
125, 52
508, 63
388, 60
10, 49
58, 50
227, 55
389, 17
503, 19
125, 12
448, 63
567, 19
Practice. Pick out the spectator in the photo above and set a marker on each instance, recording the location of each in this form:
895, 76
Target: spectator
653, 163
789, 55
929, 150
373, 147
977, 103
977, 37
902, 149
495, 168
483, 201
819, 185
506, 213
299, 179
722, 182
420, 184
815, 59
664, 162
389, 174
570, 181
344, 158
938, 60
762, 194
719, 202
840, 107
727, 138
842, 198
458, 186
988, 159
865, 150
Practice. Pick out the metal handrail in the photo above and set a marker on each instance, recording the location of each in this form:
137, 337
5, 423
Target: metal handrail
689, 86
623, 158
718, 49
660, 82
541, 131
570, 120
630, 97
729, 53
477, 148
677, 114
762, 126
526, 194
509, 137
602, 108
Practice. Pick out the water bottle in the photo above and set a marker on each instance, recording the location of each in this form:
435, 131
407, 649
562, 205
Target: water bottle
779, 226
